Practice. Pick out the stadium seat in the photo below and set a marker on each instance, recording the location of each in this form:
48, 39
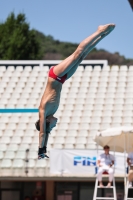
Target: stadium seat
1, 155
58, 146
8, 132
12, 147
5, 167
69, 146
20, 154
26, 140
9, 155
18, 163
58, 140
15, 140
23, 147
33, 154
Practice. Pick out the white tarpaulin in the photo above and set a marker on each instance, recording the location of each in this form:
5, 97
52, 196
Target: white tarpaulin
80, 162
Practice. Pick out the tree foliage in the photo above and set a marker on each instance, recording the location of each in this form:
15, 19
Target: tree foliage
17, 41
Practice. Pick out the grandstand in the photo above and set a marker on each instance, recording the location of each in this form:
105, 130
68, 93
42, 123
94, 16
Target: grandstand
97, 97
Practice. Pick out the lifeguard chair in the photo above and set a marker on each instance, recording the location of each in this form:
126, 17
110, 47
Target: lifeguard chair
105, 174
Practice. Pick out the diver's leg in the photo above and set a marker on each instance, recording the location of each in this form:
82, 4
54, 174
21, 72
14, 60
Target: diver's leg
86, 45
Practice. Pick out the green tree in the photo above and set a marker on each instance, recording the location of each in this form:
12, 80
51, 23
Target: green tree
17, 41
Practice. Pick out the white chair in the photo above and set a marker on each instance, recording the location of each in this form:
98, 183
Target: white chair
22, 126
41, 164
87, 113
34, 147
128, 107
119, 101
117, 120
81, 140
5, 140
11, 126
127, 120
98, 107
94, 126
19, 68
91, 146
2, 68
23, 147
110, 95
119, 95
117, 113
72, 133
88, 68
21, 154
84, 126
89, 101
83, 133
9, 154
109, 101
3, 147
8, 132
59, 140
63, 126
26, 140
128, 101
18, 167
85, 119
118, 107
58, 146
69, 107
70, 140
4, 119
93, 85
123, 68
127, 113
104, 126
100, 95
75, 119
19, 133
107, 113
95, 120
16, 140
6, 163
61, 133
33, 154
114, 124
106, 119
73, 126
12, 147
111, 90
1, 155
99, 101
69, 146
92, 89
122, 80
80, 146
76, 113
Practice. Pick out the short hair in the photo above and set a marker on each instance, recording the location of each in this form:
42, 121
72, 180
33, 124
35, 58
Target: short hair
37, 125
106, 147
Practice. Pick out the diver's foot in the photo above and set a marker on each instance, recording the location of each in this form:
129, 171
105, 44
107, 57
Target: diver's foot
105, 29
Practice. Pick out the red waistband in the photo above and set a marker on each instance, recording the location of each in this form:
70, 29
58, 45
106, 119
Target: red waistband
57, 78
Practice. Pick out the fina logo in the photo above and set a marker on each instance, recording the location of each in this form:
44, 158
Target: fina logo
84, 161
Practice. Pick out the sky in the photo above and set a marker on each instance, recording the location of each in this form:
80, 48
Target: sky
74, 20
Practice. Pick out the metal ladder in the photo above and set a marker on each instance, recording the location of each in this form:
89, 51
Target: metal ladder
127, 188
97, 187
126, 191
